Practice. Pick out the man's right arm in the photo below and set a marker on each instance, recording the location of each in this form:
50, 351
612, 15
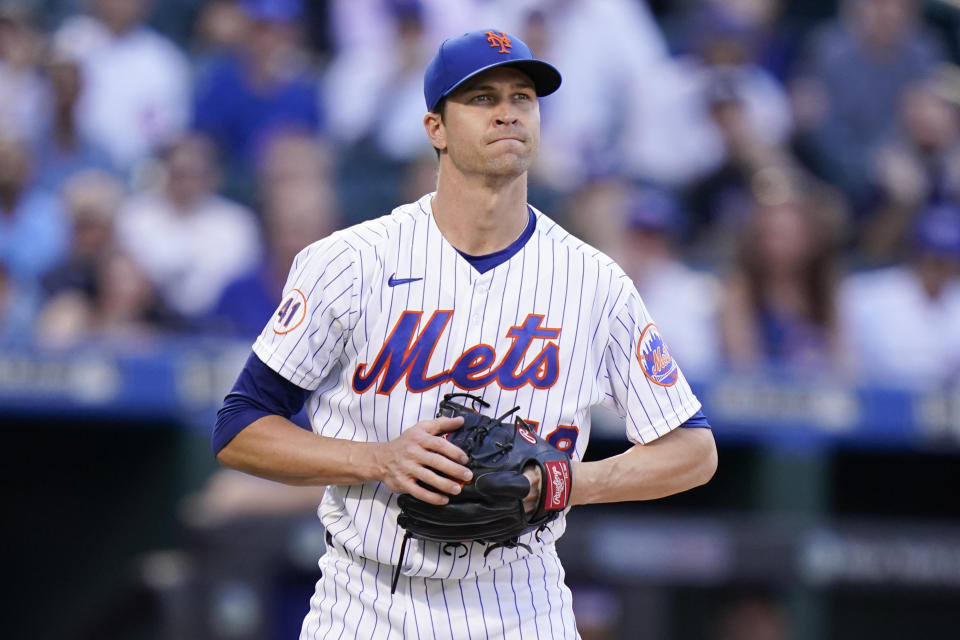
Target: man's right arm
254, 434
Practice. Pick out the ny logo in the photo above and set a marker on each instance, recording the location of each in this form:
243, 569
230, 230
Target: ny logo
501, 41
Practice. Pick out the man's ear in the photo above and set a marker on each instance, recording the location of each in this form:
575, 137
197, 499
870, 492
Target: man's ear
436, 133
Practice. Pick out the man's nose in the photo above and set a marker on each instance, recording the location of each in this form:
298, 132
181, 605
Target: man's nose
507, 115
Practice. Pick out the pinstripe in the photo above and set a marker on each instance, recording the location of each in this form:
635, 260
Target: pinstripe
423, 253
516, 604
333, 607
496, 599
576, 331
561, 589
346, 612
533, 600
376, 598
549, 600
623, 402
446, 607
463, 604
483, 613
416, 618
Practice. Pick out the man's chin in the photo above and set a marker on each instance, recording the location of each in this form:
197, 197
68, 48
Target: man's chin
509, 164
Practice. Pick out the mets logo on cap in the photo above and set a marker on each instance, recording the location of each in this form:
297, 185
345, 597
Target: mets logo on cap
659, 367
499, 40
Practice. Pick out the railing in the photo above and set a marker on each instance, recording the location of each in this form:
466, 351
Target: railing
184, 380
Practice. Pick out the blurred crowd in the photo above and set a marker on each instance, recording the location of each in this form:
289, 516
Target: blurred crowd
784, 189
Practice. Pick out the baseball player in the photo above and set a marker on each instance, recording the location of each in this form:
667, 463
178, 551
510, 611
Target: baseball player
469, 289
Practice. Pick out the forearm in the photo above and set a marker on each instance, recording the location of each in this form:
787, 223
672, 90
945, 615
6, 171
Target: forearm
275, 448
683, 459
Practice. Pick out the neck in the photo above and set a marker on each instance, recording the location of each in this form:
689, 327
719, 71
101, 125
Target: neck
480, 216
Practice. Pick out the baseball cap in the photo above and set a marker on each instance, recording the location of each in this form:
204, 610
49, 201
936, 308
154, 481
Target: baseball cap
463, 57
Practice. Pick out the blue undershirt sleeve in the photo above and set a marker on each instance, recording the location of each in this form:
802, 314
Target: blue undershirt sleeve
259, 391
697, 420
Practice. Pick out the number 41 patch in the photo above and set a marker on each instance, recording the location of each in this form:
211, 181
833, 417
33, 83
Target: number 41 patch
290, 313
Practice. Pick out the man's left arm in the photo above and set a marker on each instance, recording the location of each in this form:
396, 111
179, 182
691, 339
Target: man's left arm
677, 461
674, 448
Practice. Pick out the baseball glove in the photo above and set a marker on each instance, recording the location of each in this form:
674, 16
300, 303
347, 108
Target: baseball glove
489, 508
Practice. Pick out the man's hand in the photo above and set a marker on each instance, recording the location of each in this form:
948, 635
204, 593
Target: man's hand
532, 472
420, 453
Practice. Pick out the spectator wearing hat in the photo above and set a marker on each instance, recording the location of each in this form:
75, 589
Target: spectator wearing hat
902, 321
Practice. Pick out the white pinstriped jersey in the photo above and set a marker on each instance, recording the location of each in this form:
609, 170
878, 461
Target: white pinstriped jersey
381, 319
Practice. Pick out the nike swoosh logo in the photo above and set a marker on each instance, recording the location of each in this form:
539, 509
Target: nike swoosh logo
393, 280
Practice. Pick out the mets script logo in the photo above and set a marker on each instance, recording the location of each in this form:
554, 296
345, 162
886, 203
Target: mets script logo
501, 41
406, 356
657, 364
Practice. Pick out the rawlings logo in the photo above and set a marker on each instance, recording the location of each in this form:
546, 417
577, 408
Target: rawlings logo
557, 489
526, 435
406, 355
501, 41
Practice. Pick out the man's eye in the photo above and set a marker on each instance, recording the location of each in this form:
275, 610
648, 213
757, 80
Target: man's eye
523, 96
481, 98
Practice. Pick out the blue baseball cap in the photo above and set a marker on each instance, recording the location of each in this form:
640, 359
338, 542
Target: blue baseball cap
461, 58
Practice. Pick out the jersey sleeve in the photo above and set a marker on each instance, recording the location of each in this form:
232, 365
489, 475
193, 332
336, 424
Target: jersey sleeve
304, 339
645, 385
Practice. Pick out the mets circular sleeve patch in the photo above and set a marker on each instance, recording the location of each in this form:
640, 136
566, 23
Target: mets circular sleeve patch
655, 359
